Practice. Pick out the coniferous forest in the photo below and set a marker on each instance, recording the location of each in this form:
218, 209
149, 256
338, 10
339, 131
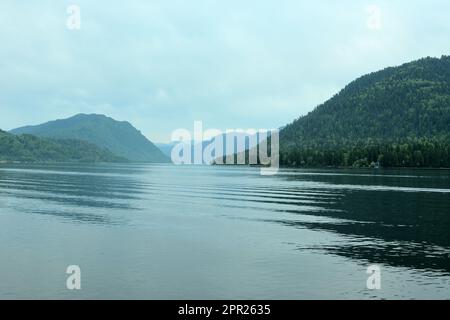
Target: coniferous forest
29, 148
397, 117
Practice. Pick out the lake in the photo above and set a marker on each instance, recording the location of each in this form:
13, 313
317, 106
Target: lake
187, 232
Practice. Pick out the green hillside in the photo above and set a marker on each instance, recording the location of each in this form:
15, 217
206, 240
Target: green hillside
28, 148
399, 116
121, 138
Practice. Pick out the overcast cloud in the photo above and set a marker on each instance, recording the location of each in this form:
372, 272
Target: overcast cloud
232, 64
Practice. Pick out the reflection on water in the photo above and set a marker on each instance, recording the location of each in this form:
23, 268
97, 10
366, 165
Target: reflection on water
73, 193
273, 230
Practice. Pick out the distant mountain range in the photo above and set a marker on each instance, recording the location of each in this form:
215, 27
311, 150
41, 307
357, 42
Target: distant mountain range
396, 117
120, 138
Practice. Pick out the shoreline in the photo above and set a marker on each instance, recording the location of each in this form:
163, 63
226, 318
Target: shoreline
227, 165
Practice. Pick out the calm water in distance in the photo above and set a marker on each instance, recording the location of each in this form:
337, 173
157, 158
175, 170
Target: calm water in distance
169, 232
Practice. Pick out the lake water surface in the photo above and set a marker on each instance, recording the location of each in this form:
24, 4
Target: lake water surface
169, 232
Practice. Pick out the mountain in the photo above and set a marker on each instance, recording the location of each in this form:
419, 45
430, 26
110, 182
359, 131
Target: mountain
399, 116
121, 138
28, 148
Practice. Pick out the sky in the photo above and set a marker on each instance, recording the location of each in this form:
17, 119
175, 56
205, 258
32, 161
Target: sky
161, 65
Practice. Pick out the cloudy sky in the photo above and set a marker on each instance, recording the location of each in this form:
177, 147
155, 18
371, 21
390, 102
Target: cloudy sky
232, 64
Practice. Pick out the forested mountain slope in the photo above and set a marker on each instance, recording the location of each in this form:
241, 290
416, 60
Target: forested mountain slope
399, 116
119, 137
28, 148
